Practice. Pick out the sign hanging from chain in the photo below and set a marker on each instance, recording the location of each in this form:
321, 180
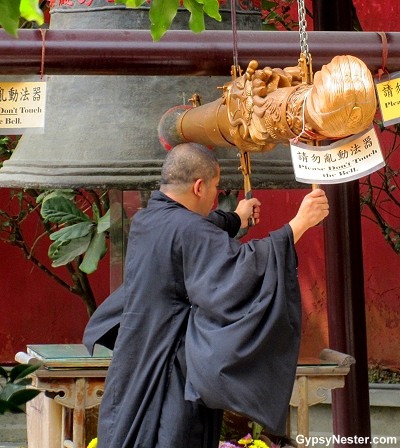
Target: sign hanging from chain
345, 160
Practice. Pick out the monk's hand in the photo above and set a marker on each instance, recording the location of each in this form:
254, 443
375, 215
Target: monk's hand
313, 209
247, 208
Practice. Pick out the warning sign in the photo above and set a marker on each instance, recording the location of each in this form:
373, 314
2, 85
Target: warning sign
22, 106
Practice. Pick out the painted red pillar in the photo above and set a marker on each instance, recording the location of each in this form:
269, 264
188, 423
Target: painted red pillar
345, 276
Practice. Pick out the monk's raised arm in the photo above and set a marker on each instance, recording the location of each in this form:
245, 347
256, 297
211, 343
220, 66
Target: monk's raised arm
313, 209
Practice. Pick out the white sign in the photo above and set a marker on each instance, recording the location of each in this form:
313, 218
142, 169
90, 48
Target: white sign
22, 106
342, 161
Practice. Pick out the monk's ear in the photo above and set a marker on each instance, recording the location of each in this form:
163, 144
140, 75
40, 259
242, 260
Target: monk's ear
198, 187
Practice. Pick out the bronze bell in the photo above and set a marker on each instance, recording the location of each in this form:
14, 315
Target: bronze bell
101, 131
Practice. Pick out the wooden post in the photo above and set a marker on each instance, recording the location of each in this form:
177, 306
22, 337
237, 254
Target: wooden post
43, 417
344, 274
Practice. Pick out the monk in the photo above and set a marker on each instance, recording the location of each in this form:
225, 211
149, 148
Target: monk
202, 323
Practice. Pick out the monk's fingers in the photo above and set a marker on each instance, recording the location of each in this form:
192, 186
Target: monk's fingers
256, 211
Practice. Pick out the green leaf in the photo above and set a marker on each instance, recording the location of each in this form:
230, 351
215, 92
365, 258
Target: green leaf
96, 251
211, 8
18, 372
269, 27
241, 233
20, 197
196, 20
31, 11
96, 212
3, 373
269, 5
5, 406
22, 370
161, 15
60, 210
71, 232
66, 193
131, 3
9, 16
8, 390
380, 125
25, 382
104, 223
62, 253
23, 396
227, 202
257, 429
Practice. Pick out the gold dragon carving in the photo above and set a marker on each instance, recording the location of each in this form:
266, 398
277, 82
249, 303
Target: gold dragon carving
264, 107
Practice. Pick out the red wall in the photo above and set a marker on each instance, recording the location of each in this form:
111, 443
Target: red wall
34, 309
378, 15
382, 284
381, 264
278, 207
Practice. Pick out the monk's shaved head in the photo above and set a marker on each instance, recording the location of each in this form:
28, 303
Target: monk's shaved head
186, 163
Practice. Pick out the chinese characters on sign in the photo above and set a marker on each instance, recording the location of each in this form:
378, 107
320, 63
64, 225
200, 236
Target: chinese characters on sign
22, 107
388, 92
342, 161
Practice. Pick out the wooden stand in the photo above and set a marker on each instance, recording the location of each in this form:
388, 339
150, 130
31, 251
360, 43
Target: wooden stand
313, 380
74, 385
65, 415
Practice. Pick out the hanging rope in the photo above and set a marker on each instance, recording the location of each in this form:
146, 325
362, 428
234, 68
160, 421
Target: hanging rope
383, 70
43, 34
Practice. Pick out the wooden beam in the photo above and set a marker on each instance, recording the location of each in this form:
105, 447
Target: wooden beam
132, 52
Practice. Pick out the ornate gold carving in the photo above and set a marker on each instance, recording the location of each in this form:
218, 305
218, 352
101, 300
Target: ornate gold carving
343, 99
264, 107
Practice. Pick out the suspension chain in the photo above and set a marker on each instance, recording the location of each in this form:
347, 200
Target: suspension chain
303, 29
305, 60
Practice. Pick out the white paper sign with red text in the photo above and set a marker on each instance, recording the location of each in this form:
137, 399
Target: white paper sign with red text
342, 161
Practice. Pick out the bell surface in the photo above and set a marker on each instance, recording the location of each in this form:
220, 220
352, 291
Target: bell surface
101, 131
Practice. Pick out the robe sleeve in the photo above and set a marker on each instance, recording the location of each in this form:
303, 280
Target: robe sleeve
243, 335
104, 323
228, 221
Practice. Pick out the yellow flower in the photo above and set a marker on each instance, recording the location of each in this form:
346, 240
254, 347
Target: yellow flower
260, 444
93, 443
250, 443
246, 441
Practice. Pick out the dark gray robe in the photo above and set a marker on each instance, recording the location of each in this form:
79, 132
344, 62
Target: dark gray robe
208, 323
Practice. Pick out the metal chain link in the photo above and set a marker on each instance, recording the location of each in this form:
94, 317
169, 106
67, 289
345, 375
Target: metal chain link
235, 67
303, 29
